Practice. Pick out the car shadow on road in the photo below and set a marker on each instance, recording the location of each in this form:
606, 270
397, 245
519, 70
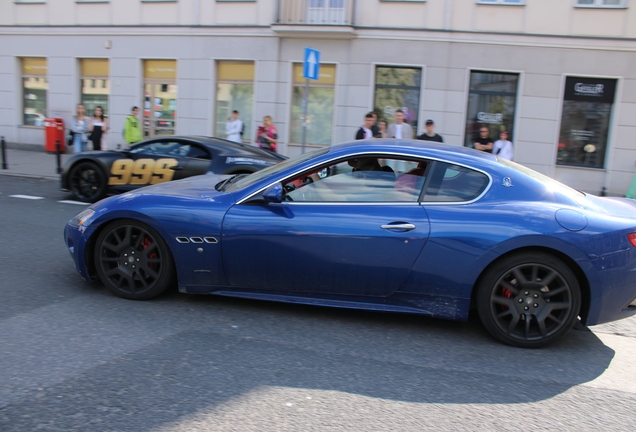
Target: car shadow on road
223, 349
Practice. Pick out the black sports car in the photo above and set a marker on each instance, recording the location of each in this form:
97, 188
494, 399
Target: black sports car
91, 175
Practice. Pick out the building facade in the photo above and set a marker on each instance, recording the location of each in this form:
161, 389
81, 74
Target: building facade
559, 76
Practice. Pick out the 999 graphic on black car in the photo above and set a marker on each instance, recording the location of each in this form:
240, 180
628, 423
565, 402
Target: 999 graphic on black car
89, 176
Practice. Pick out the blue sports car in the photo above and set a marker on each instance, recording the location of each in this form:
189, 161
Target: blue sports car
384, 225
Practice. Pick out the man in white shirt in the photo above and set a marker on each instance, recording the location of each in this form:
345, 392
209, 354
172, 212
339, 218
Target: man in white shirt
233, 127
365, 131
400, 129
502, 147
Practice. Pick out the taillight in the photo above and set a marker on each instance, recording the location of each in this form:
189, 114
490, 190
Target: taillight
632, 238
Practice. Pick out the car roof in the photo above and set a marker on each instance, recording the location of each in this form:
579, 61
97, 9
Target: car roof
422, 148
219, 144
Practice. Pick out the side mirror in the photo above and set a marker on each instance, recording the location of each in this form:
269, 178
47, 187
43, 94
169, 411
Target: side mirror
274, 193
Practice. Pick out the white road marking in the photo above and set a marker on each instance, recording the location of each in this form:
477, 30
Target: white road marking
30, 197
73, 202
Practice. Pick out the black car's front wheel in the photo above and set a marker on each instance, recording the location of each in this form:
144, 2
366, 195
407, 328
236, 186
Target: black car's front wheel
133, 261
87, 182
529, 300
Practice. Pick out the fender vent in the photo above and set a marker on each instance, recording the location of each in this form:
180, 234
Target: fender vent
196, 239
210, 240
183, 240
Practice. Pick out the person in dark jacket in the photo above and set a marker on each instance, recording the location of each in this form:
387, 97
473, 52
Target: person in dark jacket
366, 131
430, 134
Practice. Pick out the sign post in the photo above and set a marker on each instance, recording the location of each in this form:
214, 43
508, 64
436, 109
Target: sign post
311, 71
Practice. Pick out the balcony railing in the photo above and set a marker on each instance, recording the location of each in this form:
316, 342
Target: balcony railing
315, 12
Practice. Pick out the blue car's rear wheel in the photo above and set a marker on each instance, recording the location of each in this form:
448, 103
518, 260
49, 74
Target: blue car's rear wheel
88, 182
133, 261
529, 300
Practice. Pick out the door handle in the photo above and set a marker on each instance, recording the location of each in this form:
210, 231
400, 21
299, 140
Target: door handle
404, 226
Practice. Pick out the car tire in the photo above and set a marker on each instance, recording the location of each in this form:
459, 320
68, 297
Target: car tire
529, 299
133, 261
87, 181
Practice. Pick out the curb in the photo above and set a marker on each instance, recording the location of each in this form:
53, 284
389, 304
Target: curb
30, 176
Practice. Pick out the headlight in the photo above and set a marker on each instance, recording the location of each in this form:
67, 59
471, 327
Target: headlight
83, 218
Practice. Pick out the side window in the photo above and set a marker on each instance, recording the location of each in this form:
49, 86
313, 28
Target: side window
453, 183
161, 148
198, 152
361, 179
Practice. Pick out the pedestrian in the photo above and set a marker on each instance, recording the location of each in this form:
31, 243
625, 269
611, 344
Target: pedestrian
132, 128
430, 134
98, 127
502, 147
79, 127
382, 132
400, 129
267, 135
483, 142
374, 128
365, 131
234, 127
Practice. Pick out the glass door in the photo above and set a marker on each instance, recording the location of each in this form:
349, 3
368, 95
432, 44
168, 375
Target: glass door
160, 109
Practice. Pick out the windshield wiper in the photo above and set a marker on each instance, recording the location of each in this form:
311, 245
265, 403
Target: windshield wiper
228, 181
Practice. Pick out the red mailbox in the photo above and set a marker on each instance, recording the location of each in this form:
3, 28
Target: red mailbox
54, 131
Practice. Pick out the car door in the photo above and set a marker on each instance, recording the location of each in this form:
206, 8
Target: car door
150, 162
348, 233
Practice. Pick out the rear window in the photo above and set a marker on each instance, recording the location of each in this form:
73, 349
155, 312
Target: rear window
454, 183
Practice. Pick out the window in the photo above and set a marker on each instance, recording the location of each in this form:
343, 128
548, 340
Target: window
585, 121
234, 91
95, 85
502, 2
453, 183
366, 178
320, 106
398, 88
601, 3
35, 87
492, 99
160, 97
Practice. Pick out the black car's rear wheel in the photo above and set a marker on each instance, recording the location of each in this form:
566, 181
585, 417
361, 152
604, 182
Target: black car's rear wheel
88, 182
133, 261
529, 300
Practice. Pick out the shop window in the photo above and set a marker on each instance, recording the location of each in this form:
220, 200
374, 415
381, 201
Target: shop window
320, 106
234, 91
585, 121
160, 98
601, 3
35, 87
492, 99
398, 88
95, 84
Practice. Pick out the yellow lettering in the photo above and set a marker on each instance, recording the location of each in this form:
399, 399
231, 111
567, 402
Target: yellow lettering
162, 172
142, 171
120, 172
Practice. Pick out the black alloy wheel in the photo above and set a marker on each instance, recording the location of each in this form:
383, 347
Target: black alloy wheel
88, 182
529, 300
133, 261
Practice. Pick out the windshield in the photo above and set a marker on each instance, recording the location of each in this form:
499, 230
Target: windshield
259, 175
552, 183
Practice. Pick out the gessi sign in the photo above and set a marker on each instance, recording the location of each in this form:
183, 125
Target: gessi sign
590, 89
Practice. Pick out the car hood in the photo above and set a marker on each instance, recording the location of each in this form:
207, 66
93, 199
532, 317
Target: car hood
198, 187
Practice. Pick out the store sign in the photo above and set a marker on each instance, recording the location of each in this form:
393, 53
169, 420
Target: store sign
492, 118
590, 89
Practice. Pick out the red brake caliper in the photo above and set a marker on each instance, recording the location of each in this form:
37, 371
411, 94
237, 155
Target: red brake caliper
146, 244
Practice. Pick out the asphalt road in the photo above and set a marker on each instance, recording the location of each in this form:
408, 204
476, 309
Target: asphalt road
74, 357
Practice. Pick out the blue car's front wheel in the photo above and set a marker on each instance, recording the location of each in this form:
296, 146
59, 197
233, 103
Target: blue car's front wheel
133, 261
529, 299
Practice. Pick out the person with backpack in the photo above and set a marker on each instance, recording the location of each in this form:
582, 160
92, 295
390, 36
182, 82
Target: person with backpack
234, 127
132, 128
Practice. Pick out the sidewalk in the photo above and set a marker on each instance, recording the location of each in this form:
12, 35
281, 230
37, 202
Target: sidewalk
32, 164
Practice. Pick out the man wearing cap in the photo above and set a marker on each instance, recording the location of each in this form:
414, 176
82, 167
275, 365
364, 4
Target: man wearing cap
430, 134
502, 147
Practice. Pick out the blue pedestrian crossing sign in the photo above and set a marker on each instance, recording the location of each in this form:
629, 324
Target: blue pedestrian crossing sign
311, 66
